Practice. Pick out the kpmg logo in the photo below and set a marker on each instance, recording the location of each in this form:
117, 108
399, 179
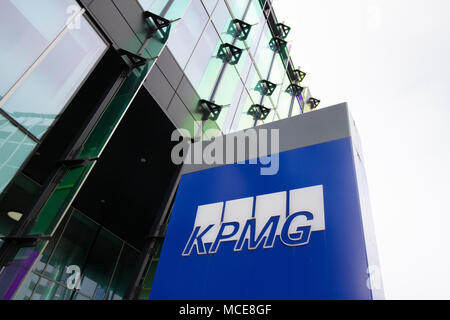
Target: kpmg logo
289, 217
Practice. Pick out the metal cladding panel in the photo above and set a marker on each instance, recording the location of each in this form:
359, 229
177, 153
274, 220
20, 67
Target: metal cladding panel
297, 234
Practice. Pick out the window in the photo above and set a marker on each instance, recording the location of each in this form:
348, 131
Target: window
44, 94
15, 147
187, 33
26, 29
47, 50
107, 263
168, 9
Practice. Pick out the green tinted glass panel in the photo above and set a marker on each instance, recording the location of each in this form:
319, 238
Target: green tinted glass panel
243, 119
284, 101
187, 32
49, 290
150, 276
44, 94
15, 147
35, 24
112, 116
168, 9
209, 5
43, 259
238, 7
204, 68
256, 19
72, 248
221, 19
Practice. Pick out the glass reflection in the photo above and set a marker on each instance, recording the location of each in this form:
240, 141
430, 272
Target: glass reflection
187, 32
36, 24
43, 95
15, 147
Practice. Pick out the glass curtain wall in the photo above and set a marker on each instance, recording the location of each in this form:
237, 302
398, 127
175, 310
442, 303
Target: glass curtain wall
202, 45
44, 61
105, 263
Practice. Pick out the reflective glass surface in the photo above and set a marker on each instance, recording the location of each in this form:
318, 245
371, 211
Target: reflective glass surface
35, 24
168, 9
184, 37
100, 265
72, 248
125, 269
106, 263
204, 67
42, 96
15, 147
209, 5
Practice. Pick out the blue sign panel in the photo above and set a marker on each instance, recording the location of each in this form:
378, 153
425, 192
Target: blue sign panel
237, 234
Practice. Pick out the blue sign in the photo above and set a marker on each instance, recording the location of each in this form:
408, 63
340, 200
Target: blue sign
237, 234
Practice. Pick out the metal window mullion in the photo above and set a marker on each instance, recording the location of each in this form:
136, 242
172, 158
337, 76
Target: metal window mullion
22, 129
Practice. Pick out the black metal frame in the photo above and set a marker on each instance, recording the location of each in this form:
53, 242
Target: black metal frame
259, 112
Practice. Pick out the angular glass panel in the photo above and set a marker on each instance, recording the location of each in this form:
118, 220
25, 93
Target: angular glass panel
185, 36
149, 277
210, 5
72, 248
15, 147
43, 259
252, 82
264, 54
277, 76
35, 24
124, 271
284, 101
231, 114
112, 116
43, 95
100, 265
168, 9
221, 19
227, 94
243, 120
298, 106
79, 296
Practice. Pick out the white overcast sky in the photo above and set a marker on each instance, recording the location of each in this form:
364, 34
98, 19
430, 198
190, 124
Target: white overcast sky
390, 60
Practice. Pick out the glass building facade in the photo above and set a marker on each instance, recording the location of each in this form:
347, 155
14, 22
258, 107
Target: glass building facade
90, 92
